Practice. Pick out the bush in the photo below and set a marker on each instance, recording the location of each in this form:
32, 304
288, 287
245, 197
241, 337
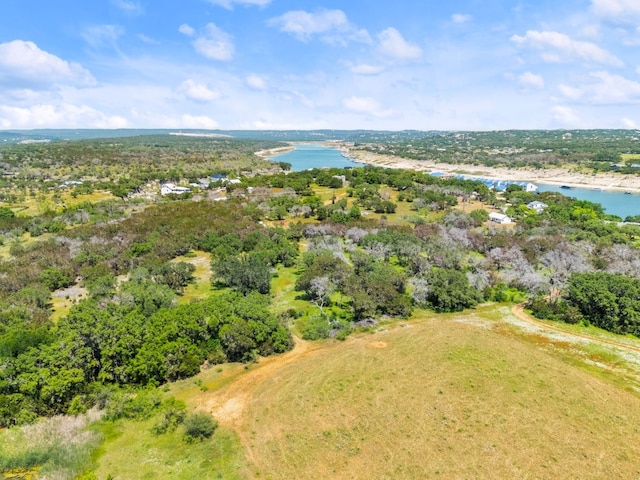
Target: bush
174, 412
198, 427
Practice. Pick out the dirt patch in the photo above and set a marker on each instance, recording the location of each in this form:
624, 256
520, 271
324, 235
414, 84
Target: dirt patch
378, 344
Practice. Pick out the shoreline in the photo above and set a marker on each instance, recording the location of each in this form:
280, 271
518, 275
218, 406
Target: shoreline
552, 176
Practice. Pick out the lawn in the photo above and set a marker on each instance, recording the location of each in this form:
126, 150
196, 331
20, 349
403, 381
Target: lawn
447, 396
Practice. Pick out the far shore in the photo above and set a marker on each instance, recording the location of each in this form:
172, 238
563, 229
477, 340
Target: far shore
548, 176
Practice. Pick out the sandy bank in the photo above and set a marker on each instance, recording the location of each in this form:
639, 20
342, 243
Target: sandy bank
550, 176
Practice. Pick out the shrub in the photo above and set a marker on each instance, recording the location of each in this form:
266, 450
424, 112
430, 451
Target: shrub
199, 426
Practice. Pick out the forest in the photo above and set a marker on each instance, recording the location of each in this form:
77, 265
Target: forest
361, 247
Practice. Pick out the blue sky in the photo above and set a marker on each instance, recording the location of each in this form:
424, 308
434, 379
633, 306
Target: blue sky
280, 64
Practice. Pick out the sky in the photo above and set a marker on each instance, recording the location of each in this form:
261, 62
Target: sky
325, 64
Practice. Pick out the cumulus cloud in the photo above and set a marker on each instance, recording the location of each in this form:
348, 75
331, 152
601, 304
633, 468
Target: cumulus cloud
531, 80
129, 7
256, 82
197, 92
101, 35
228, 4
366, 105
187, 30
624, 11
22, 61
366, 69
63, 115
565, 115
331, 25
460, 18
215, 44
604, 88
198, 121
558, 47
393, 45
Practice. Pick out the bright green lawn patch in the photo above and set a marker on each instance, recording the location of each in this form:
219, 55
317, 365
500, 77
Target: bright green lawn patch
138, 454
630, 156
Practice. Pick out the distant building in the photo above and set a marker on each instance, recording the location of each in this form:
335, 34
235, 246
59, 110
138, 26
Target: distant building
499, 218
537, 206
170, 188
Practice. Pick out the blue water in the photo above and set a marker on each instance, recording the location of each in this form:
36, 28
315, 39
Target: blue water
615, 203
307, 156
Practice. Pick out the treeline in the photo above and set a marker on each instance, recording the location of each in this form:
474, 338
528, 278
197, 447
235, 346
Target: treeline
124, 165
596, 149
610, 301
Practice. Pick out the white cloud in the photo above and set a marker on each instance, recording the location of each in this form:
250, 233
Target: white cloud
460, 18
24, 61
187, 30
256, 82
565, 115
366, 105
565, 48
198, 92
393, 45
64, 115
129, 7
228, 4
625, 11
604, 88
148, 40
531, 80
100, 35
628, 123
198, 121
332, 25
215, 44
366, 69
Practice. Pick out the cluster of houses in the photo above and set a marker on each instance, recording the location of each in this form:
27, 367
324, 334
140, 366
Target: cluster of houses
503, 219
171, 188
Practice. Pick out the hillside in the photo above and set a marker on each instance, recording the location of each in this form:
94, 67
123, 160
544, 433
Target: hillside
469, 395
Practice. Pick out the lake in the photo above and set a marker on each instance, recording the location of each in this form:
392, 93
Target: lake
306, 156
615, 203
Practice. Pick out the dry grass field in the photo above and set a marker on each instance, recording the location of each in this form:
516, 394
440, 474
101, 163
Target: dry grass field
455, 396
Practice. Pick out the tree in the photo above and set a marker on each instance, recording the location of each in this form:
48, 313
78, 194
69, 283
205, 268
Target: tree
450, 291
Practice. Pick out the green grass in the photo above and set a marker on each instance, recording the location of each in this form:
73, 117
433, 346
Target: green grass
630, 156
446, 395
201, 287
136, 453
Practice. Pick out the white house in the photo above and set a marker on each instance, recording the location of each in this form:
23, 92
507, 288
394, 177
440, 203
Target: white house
169, 188
537, 206
499, 218
530, 187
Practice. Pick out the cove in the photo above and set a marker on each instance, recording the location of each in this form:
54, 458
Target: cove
306, 156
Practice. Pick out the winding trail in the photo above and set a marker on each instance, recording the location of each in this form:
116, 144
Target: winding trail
228, 404
518, 311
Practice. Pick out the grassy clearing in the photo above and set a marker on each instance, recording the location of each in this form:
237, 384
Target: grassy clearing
131, 451
38, 205
201, 287
135, 453
445, 396
630, 156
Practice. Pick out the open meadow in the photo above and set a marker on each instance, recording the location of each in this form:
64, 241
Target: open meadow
471, 395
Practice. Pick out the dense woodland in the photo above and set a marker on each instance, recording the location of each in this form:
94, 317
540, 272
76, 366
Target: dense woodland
363, 246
